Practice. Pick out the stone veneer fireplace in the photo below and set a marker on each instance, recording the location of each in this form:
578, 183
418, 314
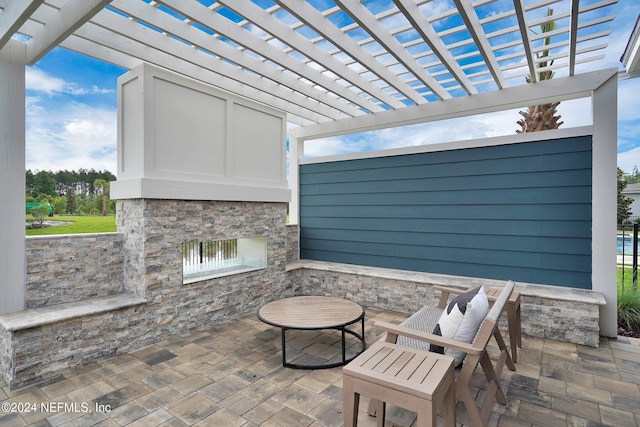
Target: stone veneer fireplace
154, 232
189, 169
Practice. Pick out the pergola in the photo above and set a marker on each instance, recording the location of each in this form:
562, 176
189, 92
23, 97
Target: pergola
333, 66
322, 61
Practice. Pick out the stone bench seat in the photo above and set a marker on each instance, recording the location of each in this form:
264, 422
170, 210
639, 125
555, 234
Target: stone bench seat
40, 344
560, 313
45, 315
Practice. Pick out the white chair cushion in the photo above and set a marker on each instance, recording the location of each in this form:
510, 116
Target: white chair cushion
461, 320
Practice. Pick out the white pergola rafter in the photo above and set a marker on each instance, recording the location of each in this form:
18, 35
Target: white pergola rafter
210, 19
71, 16
189, 64
368, 22
151, 15
285, 34
314, 19
13, 16
526, 42
319, 64
429, 35
468, 14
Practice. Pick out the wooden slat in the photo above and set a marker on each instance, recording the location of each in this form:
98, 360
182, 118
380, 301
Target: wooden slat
408, 369
312, 83
428, 376
424, 372
369, 363
308, 312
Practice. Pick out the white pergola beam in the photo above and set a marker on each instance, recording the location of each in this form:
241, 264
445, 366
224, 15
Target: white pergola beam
69, 18
103, 53
563, 88
13, 16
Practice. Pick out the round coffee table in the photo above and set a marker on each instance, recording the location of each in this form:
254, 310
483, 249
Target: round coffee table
314, 313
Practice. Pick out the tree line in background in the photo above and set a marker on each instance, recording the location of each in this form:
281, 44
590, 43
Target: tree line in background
82, 192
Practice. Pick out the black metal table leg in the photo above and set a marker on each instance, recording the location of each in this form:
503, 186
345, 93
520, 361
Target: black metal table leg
284, 352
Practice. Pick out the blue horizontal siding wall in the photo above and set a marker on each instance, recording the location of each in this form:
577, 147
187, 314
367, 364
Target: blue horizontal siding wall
518, 211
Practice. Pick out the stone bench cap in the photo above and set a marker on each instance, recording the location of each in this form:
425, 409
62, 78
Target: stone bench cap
40, 316
585, 296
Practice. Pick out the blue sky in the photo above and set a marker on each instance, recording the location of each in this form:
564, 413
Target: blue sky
71, 112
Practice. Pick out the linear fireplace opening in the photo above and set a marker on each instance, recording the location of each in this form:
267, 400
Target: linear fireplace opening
203, 260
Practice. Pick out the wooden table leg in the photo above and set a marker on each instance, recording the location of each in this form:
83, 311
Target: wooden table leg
351, 402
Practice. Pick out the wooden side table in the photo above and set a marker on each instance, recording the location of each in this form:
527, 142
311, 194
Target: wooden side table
513, 318
419, 381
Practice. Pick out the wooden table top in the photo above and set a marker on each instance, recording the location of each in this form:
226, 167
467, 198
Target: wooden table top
310, 312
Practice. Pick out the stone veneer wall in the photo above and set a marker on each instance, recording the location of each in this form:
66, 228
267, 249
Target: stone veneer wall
68, 268
45, 352
153, 303
154, 231
564, 314
293, 243
6, 354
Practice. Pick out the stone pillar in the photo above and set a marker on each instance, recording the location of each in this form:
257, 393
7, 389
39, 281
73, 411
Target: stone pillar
12, 177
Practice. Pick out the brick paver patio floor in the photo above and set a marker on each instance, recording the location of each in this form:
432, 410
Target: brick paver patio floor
232, 375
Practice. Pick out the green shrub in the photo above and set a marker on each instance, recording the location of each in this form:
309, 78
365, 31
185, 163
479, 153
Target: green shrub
628, 301
629, 310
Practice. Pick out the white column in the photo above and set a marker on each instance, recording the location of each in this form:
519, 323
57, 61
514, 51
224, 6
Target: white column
605, 136
12, 177
295, 154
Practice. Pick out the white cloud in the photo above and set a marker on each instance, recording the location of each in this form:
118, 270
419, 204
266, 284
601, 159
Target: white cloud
629, 159
77, 136
39, 81
628, 100
63, 134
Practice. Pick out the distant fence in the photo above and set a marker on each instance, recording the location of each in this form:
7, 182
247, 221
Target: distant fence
627, 249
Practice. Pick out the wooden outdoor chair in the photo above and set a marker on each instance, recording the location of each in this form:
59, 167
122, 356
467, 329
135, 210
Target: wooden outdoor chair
413, 333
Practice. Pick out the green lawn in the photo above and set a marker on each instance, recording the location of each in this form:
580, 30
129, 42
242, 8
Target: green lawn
81, 224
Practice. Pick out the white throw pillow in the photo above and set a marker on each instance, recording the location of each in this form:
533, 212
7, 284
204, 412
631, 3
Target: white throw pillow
461, 321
